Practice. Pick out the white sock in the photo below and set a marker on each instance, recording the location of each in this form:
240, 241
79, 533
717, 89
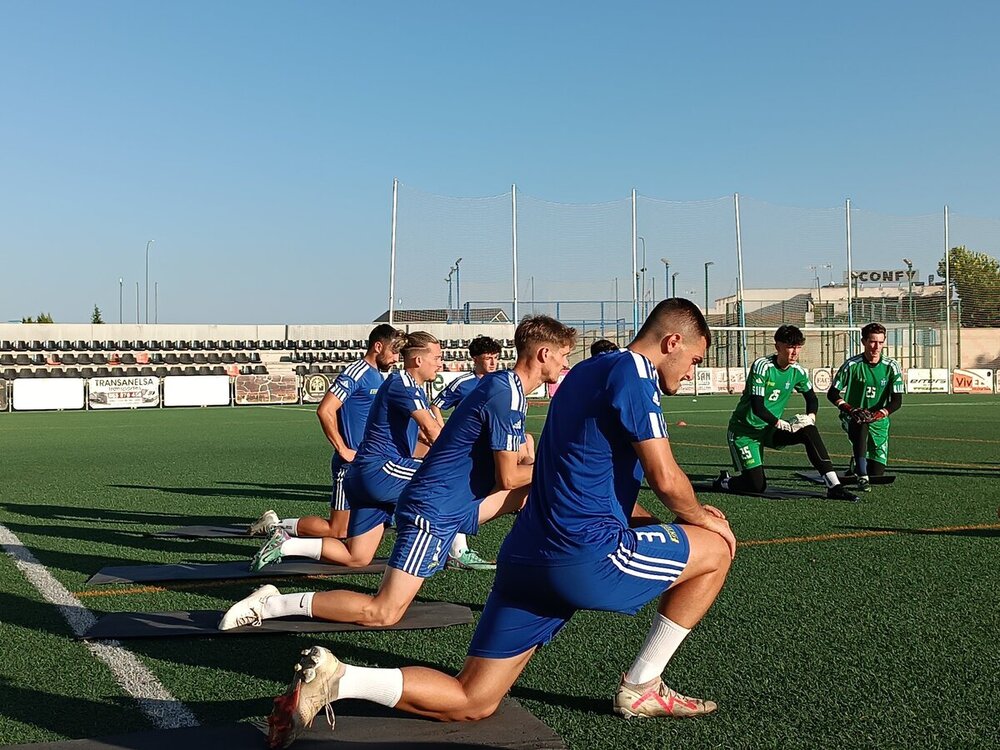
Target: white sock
290, 525
459, 546
383, 686
661, 642
286, 605
831, 479
296, 547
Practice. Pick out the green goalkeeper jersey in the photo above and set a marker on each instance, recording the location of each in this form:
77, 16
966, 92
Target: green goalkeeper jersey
867, 386
774, 385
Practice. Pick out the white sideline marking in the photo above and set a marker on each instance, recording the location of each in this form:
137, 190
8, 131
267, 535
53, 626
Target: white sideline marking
155, 701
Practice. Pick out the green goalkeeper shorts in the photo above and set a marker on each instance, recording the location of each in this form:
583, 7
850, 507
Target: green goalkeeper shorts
878, 438
747, 450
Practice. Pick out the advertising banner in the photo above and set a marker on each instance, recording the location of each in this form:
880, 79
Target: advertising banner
3, 395
973, 381
687, 388
196, 390
822, 379
267, 389
63, 393
440, 382
314, 387
703, 382
728, 379
123, 393
923, 380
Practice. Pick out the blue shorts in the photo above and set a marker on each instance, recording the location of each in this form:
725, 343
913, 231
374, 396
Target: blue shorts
422, 544
338, 498
373, 493
530, 603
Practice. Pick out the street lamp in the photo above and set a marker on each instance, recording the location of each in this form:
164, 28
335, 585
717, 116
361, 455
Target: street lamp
120, 297
156, 301
147, 279
666, 276
909, 293
137, 303
674, 287
451, 272
458, 285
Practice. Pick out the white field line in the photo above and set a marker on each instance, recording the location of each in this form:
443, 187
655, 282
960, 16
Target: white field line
154, 700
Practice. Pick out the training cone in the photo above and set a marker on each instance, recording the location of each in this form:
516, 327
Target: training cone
682, 424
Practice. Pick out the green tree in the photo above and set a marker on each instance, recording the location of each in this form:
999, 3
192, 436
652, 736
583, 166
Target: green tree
976, 276
95, 317
41, 318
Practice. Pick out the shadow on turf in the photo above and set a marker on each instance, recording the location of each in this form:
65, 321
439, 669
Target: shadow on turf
137, 517
280, 492
973, 533
984, 473
67, 716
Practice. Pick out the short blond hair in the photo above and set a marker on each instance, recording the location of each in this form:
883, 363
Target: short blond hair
541, 329
416, 342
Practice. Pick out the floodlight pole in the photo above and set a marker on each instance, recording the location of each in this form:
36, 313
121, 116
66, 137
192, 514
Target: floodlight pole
392, 253
642, 271
458, 286
666, 276
635, 270
947, 301
909, 292
513, 244
137, 303
707, 264
673, 278
150, 242
121, 295
739, 282
156, 301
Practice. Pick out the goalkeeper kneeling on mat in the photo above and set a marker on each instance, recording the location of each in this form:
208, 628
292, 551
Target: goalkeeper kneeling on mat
757, 421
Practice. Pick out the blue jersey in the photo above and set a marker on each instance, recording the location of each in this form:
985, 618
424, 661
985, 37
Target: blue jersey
355, 387
391, 433
455, 392
459, 469
587, 474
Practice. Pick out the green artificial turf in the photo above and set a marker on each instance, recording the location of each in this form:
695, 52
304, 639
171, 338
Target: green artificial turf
867, 639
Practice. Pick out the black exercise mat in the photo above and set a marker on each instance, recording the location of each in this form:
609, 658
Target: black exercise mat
205, 622
846, 479
225, 571
772, 493
360, 726
206, 532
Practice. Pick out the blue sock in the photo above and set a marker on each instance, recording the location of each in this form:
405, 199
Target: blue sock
861, 465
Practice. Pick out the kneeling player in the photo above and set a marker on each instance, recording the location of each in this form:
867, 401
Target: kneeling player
343, 414
470, 476
581, 542
867, 389
756, 423
383, 466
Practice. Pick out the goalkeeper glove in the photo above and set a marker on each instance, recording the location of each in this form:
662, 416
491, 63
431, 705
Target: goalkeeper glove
862, 416
880, 414
802, 420
782, 425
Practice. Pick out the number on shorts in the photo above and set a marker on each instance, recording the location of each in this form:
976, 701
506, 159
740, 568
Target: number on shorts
745, 453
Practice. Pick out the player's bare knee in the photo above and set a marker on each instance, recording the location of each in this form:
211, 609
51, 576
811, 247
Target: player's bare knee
379, 615
474, 710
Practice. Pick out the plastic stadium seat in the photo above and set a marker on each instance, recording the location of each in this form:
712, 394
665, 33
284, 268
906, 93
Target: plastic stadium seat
284, 358
200, 359
156, 358
228, 358
218, 370
301, 370
181, 345
186, 359
22, 360
225, 345
169, 345
155, 345
131, 372
214, 358
160, 372
34, 346
53, 373
40, 359
50, 346
99, 358
102, 372
242, 358
9, 374
254, 357
68, 358
170, 358
127, 358
175, 371
86, 372
260, 370
239, 345
329, 369
20, 346
83, 358
6, 360
140, 345
71, 372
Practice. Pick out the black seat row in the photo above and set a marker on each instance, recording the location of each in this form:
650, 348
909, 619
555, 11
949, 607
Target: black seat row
125, 372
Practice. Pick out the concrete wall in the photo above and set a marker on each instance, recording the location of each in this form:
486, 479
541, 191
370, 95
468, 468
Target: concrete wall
980, 348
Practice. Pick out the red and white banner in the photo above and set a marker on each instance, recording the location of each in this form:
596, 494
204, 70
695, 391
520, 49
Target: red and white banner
123, 393
267, 389
973, 381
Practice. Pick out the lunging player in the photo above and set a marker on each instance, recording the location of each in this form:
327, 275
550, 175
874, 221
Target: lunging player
581, 542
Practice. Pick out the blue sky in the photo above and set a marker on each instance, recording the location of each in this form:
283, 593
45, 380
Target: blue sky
257, 142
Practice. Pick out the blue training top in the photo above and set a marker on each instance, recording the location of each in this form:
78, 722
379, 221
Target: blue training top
356, 387
453, 393
587, 474
459, 469
391, 433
